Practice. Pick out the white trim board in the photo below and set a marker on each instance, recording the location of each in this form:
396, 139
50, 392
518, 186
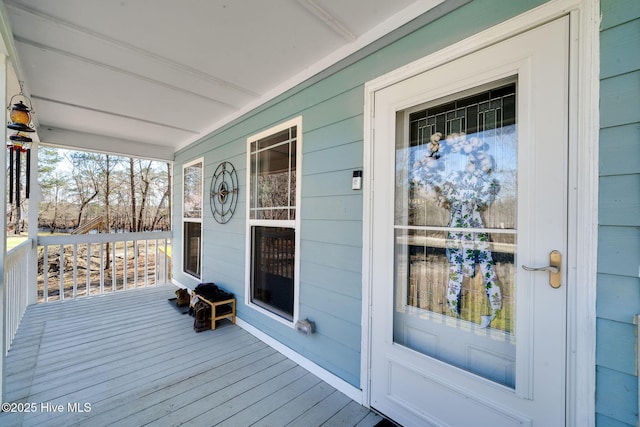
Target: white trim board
75, 140
583, 204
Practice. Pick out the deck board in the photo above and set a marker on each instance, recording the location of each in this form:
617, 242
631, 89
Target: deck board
137, 361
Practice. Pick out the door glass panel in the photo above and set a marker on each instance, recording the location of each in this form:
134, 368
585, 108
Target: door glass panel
455, 231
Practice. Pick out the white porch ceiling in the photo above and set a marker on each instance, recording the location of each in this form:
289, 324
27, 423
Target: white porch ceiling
164, 73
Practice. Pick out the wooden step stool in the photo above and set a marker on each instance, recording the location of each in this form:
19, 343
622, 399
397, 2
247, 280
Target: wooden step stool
214, 306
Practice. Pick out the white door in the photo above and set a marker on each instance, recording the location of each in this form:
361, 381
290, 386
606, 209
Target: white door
470, 185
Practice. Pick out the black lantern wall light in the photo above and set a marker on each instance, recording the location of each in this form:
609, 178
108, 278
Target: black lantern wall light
19, 143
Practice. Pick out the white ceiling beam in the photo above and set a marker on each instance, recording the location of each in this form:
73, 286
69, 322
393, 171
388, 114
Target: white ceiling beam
110, 113
131, 48
328, 19
83, 59
75, 140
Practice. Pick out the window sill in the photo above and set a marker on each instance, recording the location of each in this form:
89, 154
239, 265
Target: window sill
264, 311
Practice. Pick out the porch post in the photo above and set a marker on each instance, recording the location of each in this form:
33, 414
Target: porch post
34, 203
3, 224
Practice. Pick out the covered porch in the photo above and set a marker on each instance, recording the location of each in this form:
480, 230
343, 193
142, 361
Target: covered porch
130, 358
120, 95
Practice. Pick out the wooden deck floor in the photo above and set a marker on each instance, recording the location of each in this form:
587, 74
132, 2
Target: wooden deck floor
131, 359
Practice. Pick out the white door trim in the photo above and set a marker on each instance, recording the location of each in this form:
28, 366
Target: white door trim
583, 175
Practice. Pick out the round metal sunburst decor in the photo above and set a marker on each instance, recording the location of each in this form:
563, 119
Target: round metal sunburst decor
223, 195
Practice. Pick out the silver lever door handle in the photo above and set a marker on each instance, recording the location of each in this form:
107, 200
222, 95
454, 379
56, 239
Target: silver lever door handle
555, 263
549, 268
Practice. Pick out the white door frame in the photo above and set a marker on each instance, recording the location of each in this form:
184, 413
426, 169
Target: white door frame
583, 174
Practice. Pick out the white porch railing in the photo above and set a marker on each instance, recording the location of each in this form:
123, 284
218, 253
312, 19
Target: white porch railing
16, 282
74, 266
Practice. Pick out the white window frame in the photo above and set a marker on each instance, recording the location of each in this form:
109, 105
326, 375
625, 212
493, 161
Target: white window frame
293, 224
192, 220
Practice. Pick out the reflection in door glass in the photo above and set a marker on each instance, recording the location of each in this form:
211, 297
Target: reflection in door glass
455, 231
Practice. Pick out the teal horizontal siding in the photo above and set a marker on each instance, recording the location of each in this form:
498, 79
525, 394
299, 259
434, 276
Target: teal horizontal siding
333, 279
342, 361
331, 325
347, 233
616, 346
616, 12
345, 157
620, 200
340, 305
619, 251
617, 395
604, 421
620, 100
330, 183
342, 132
618, 297
338, 207
620, 150
618, 286
335, 109
616, 47
220, 257
330, 256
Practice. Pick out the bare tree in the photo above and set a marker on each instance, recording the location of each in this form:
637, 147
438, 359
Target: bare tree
85, 178
133, 195
52, 183
106, 171
133, 198
145, 182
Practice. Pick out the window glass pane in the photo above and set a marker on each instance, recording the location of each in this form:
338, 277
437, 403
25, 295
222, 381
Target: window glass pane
192, 190
253, 180
274, 139
268, 213
192, 245
455, 233
272, 275
272, 180
472, 134
292, 179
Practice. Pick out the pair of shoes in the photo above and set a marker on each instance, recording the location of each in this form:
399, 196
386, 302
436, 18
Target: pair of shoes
183, 297
212, 292
202, 320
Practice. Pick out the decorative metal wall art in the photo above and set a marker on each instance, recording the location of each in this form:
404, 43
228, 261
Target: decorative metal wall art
223, 195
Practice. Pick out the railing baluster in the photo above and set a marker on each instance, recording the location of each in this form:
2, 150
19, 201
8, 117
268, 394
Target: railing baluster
155, 270
88, 269
146, 263
61, 273
101, 268
10, 279
75, 270
155, 259
45, 268
135, 263
15, 290
114, 281
124, 266
166, 263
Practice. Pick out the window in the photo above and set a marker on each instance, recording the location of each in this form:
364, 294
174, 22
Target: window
192, 176
273, 219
